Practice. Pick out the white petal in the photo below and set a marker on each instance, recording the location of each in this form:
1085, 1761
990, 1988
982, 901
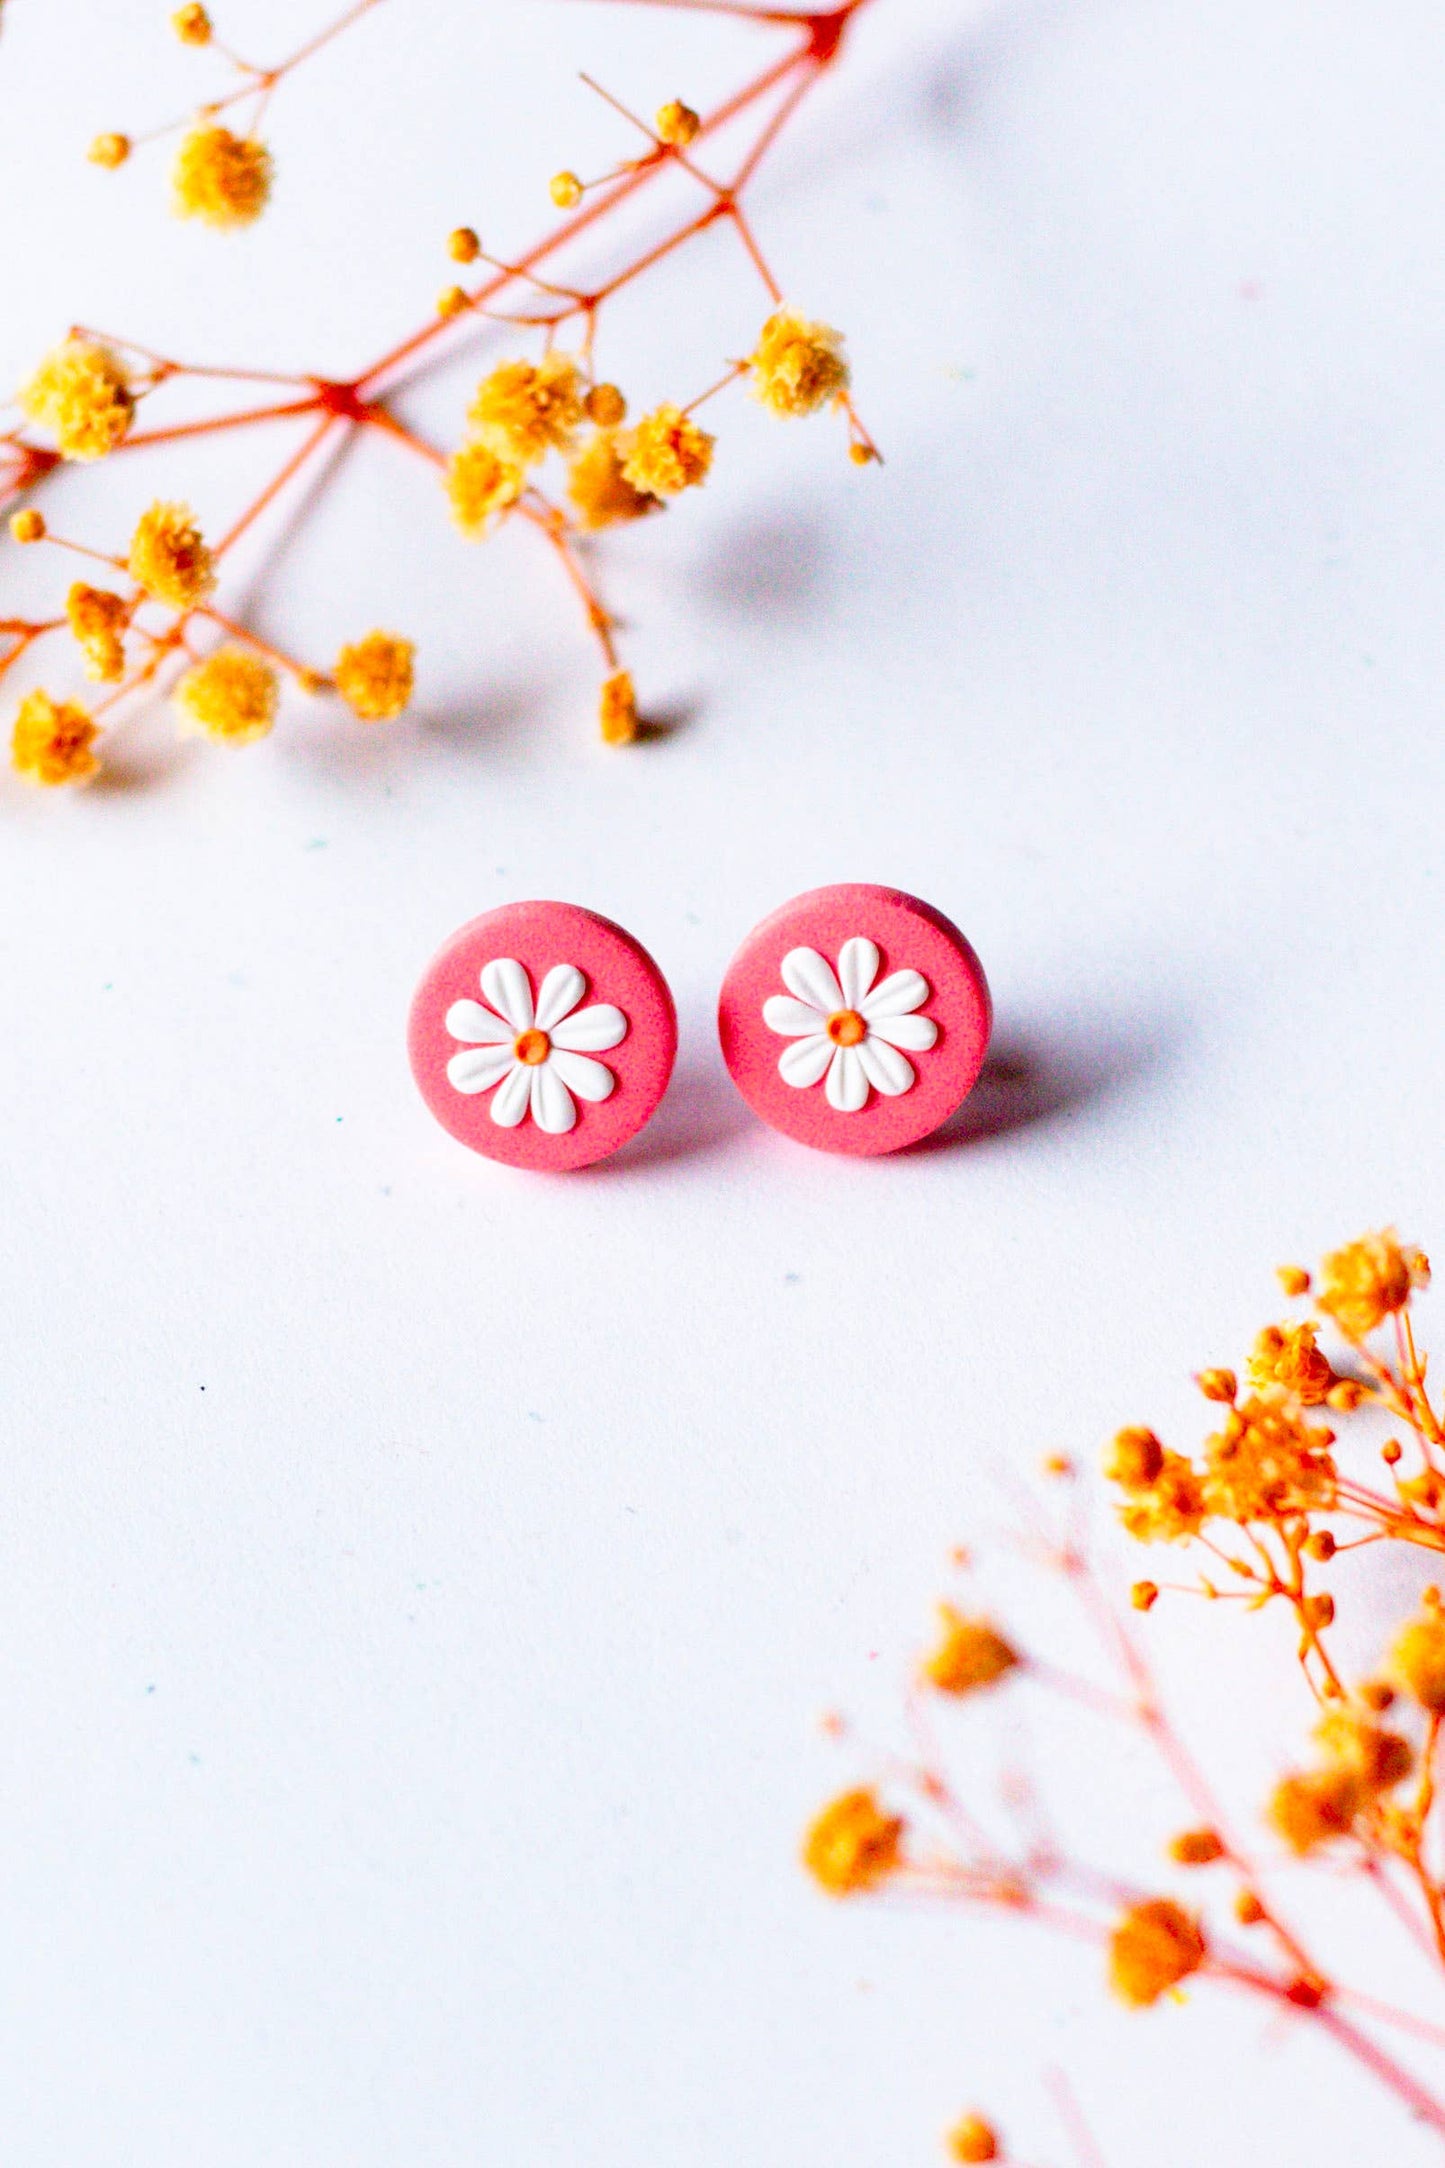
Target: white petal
553, 1107
478, 1068
588, 1078
510, 1105
847, 1085
806, 975
902, 991
857, 969
559, 995
804, 1061
470, 1021
591, 1031
789, 1018
885, 1068
509, 990
917, 1033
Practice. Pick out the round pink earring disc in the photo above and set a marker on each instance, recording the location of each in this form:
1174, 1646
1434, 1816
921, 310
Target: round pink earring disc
542, 1035
874, 1004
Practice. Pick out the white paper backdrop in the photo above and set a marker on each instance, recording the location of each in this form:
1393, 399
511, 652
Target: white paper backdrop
421, 1582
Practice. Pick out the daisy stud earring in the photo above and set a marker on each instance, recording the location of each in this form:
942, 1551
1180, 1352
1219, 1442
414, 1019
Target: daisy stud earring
543, 1035
855, 1019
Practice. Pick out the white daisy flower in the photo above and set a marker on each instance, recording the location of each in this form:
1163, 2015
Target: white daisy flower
845, 1028
537, 1057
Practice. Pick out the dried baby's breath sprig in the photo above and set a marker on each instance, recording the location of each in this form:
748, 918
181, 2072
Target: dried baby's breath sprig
973, 2140
797, 366
853, 1845
617, 709
109, 150
1272, 1504
169, 559
98, 618
87, 395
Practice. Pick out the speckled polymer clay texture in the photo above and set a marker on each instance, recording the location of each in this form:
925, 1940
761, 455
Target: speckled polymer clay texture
870, 942
477, 1056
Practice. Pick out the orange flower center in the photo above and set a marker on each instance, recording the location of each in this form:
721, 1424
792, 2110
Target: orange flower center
846, 1027
532, 1047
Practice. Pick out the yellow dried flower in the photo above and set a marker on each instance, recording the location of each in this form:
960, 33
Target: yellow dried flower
52, 739
971, 1655
973, 2140
221, 178
524, 410
1314, 1807
677, 124
1352, 1740
600, 490
168, 557
1155, 1945
1293, 1279
1221, 1385
98, 620
1144, 1595
463, 245
27, 526
1196, 1847
109, 150
1417, 1661
605, 405
1136, 1459
81, 393
1267, 1462
797, 366
192, 25
480, 486
565, 189
1286, 1355
853, 1845
1168, 1510
231, 696
452, 301
1367, 1281
374, 676
667, 453
617, 711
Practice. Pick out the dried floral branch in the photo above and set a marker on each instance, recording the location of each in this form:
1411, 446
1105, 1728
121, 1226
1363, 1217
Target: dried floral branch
88, 393
1268, 1502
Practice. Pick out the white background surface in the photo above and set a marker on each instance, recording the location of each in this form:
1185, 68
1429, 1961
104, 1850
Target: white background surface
420, 1580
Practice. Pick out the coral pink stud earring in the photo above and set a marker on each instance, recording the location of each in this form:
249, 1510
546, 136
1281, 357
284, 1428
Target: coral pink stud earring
855, 1019
542, 1035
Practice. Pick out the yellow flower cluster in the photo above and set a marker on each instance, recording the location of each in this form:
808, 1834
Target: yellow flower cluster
221, 178
52, 739
1361, 1761
192, 25
374, 676
1267, 1464
1370, 1280
480, 486
27, 526
81, 393
169, 559
98, 620
1286, 1356
853, 1845
1153, 1947
231, 696
973, 2140
618, 709
524, 410
1164, 1500
797, 366
1418, 1657
666, 453
600, 490
971, 1655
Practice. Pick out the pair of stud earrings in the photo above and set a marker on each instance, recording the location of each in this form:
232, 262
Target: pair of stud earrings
855, 1019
